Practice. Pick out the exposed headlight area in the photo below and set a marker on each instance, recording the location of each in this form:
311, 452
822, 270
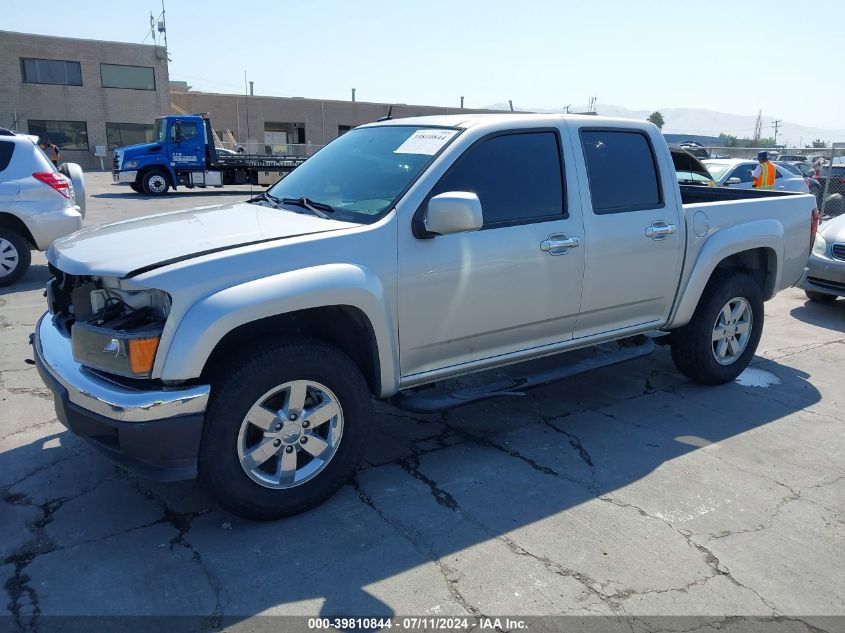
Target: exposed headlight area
114, 325
131, 164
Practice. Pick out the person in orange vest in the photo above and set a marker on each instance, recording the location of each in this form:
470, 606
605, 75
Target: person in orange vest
765, 173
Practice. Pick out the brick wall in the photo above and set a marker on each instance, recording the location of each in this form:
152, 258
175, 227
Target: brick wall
89, 102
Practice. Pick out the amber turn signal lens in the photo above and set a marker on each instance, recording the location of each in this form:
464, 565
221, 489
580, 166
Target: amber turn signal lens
142, 353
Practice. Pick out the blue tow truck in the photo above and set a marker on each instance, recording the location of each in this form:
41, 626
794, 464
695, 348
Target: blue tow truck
182, 154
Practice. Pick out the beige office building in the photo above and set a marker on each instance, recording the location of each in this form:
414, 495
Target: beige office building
83, 95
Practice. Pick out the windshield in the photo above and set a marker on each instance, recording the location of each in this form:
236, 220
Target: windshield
366, 170
158, 131
717, 170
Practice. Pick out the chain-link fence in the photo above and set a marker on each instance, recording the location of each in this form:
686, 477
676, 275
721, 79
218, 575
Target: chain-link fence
823, 168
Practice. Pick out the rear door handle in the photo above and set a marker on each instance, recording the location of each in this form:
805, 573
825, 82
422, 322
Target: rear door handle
659, 230
559, 244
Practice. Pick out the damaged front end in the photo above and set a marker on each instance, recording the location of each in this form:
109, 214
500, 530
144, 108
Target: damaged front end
115, 326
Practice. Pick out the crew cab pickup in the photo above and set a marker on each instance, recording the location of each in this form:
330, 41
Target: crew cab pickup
244, 343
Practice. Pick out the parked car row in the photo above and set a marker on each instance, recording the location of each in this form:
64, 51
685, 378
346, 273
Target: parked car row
736, 173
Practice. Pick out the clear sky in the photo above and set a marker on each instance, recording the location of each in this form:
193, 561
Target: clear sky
721, 55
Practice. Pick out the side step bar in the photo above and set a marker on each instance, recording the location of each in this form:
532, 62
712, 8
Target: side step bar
424, 401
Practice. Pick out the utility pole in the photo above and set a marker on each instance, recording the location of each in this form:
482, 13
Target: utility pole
775, 124
758, 128
510, 103
162, 27
462, 103
353, 95
567, 108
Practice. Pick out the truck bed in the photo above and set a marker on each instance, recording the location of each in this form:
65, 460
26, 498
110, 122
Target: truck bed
257, 161
696, 194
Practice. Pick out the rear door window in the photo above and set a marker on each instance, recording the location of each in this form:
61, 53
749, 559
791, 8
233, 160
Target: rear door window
518, 177
6, 149
622, 171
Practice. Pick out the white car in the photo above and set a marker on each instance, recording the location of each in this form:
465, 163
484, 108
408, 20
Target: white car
736, 173
38, 204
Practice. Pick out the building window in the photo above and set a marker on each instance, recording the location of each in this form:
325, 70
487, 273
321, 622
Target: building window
131, 77
123, 134
51, 71
66, 134
343, 129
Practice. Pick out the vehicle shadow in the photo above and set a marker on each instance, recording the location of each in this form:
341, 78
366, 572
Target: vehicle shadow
34, 278
826, 315
431, 488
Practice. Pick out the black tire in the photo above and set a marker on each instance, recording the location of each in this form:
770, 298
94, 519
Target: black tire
136, 187
242, 383
11, 244
820, 297
155, 183
692, 344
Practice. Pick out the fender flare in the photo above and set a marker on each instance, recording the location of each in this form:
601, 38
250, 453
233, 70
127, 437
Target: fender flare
206, 322
767, 233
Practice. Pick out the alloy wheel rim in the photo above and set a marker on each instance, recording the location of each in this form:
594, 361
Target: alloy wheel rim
9, 257
732, 331
290, 434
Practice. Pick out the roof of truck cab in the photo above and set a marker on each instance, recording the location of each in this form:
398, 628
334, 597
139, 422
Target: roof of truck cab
469, 120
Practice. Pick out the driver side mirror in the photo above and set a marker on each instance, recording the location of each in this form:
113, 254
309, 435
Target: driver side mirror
733, 181
453, 212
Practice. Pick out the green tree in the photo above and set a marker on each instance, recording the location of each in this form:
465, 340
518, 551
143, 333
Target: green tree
657, 118
727, 140
817, 144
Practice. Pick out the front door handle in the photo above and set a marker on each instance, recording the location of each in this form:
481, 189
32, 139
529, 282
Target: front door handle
559, 244
659, 230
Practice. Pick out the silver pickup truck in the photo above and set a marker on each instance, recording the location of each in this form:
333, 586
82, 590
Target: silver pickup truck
244, 343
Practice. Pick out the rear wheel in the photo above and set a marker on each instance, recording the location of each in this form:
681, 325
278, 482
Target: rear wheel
285, 429
820, 297
720, 340
155, 183
14, 256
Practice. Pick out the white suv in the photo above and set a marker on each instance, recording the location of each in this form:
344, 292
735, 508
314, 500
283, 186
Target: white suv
38, 204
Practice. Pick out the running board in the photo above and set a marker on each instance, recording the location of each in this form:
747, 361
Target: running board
513, 379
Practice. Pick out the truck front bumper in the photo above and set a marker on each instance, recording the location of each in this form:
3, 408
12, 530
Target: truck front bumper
152, 432
124, 177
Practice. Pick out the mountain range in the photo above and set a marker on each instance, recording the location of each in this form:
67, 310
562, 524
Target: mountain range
696, 121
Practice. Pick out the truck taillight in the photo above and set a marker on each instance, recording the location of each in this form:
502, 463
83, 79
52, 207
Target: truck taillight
54, 180
814, 228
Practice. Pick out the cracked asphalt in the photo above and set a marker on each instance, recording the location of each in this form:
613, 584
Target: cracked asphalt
623, 494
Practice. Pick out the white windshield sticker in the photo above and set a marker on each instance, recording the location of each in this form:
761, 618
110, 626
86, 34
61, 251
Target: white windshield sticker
426, 142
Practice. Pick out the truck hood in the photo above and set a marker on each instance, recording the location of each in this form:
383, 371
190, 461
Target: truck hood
133, 246
140, 149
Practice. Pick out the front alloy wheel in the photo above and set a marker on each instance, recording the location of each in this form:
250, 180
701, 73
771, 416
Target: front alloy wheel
286, 426
290, 435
